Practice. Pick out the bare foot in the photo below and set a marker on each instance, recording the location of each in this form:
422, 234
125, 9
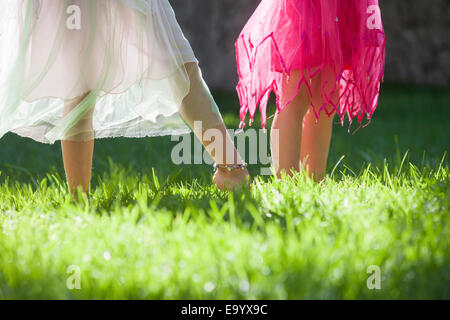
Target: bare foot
231, 180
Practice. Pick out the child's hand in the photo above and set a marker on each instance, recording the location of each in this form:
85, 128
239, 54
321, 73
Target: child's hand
231, 180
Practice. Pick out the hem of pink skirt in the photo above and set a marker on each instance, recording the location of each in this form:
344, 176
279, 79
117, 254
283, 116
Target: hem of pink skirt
350, 90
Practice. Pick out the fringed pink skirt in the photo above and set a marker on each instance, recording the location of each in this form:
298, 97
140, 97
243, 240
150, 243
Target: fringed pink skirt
340, 42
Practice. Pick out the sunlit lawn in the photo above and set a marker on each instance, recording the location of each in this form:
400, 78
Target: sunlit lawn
155, 230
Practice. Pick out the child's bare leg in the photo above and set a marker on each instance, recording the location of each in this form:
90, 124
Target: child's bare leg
286, 134
77, 157
316, 136
201, 113
316, 139
78, 150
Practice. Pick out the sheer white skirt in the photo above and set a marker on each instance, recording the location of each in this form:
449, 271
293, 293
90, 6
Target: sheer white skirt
125, 65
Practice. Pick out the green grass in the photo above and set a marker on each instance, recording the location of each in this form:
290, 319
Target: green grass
154, 230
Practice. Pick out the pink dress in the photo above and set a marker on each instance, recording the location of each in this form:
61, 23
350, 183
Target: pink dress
343, 41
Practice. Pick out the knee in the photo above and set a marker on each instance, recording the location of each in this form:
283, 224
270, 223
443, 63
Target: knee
295, 93
322, 117
302, 103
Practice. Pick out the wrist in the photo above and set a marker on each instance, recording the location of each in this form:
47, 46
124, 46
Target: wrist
231, 167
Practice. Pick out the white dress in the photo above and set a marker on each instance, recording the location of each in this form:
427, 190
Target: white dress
126, 57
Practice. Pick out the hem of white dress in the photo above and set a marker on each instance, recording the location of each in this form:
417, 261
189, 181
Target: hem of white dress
105, 133
102, 135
